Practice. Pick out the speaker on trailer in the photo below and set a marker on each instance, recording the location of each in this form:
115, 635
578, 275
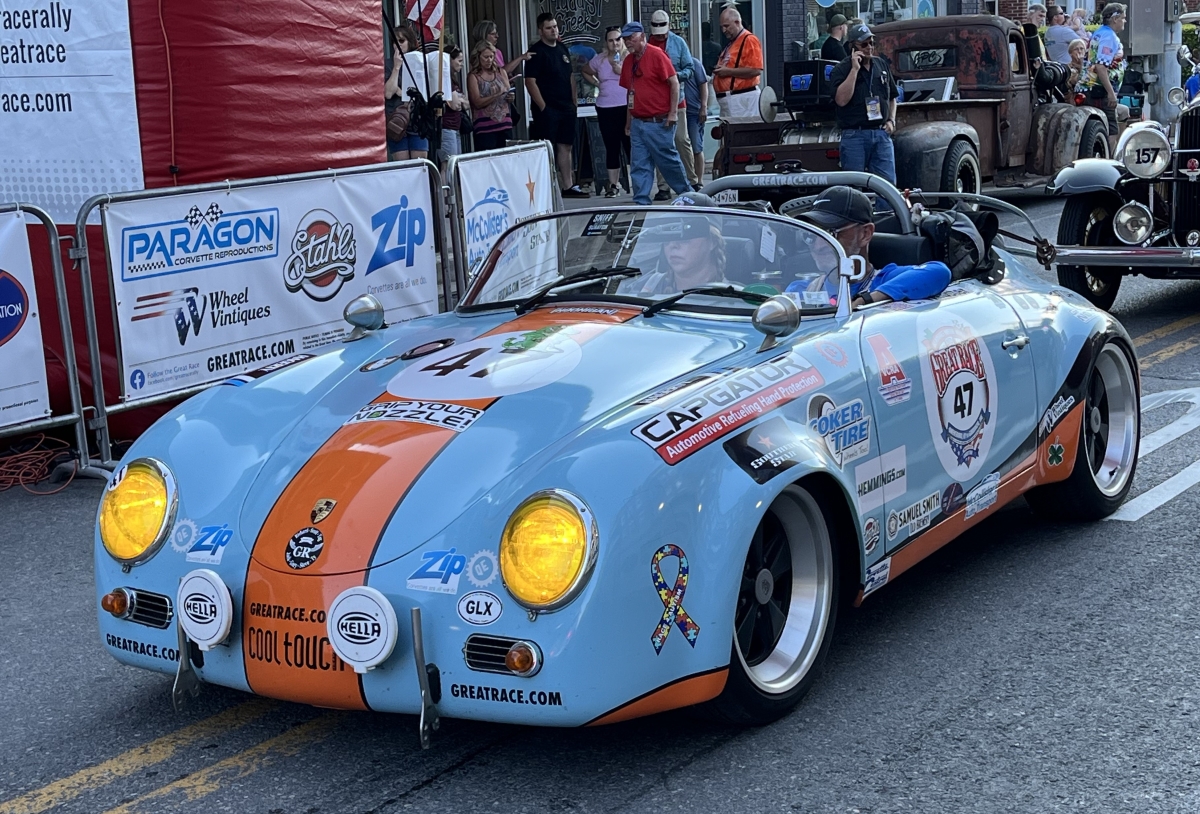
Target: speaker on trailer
807, 82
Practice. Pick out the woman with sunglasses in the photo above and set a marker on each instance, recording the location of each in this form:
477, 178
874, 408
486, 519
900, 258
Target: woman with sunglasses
604, 71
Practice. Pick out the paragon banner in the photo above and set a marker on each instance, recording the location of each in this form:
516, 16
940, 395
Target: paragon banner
23, 393
211, 285
70, 126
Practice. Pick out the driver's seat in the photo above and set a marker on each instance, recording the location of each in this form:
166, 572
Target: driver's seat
904, 250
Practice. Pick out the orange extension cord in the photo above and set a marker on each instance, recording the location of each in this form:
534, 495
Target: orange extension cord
32, 460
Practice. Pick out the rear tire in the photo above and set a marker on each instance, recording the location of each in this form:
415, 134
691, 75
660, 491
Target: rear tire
1087, 221
785, 612
1108, 444
960, 170
1094, 141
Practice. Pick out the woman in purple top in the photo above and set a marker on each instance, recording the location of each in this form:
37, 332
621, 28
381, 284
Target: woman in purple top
486, 31
490, 94
604, 70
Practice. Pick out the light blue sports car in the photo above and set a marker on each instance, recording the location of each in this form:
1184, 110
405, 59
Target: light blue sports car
626, 475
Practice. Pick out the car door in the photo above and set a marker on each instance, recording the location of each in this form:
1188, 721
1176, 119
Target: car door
954, 394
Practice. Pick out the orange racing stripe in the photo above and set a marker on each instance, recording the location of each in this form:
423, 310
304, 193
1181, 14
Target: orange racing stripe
367, 468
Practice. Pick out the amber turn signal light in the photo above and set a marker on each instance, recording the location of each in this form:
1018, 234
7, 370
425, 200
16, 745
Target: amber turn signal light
116, 602
523, 659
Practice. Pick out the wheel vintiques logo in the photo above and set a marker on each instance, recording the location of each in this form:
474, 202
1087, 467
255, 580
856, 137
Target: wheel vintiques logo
324, 252
14, 306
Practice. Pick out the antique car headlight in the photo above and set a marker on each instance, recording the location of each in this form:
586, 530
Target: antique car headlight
137, 510
548, 550
1145, 152
1133, 223
1177, 97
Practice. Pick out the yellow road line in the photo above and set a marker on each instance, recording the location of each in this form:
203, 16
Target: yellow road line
1166, 330
134, 760
235, 767
1151, 359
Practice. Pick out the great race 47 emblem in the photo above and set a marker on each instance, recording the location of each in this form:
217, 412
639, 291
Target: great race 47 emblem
960, 394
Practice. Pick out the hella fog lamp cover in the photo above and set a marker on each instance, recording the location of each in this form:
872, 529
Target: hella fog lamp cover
205, 608
362, 627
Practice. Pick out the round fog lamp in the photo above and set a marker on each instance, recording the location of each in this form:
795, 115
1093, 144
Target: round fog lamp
1176, 96
137, 510
362, 627
205, 608
548, 549
523, 659
1145, 152
1193, 238
1133, 224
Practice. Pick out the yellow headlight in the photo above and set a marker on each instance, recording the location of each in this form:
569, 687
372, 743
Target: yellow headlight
137, 510
548, 549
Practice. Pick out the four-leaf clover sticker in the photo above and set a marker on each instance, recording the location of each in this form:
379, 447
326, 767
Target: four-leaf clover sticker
1056, 454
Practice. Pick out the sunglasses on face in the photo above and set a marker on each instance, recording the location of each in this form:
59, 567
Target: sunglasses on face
865, 45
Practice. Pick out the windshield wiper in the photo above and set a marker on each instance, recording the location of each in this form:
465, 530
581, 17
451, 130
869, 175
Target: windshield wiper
727, 291
588, 276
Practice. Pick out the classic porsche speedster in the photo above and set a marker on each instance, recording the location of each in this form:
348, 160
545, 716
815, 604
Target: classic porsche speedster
625, 475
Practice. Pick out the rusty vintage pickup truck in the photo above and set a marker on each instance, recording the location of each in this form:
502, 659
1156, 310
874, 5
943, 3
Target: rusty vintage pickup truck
1005, 120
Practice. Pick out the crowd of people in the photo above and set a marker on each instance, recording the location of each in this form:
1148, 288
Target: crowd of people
652, 99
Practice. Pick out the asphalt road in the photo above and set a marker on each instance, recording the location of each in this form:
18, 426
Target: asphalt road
1030, 667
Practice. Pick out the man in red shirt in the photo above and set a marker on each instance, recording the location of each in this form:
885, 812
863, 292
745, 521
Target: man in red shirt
649, 76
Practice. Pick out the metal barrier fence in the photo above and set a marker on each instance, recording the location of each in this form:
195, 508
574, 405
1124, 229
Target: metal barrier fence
314, 233
75, 417
487, 195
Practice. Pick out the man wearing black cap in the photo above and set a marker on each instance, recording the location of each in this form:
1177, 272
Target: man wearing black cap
845, 213
693, 254
834, 47
865, 94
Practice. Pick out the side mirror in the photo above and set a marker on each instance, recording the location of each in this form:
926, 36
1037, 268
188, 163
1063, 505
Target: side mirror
365, 313
853, 270
778, 316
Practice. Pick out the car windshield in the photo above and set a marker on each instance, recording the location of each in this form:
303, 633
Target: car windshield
660, 252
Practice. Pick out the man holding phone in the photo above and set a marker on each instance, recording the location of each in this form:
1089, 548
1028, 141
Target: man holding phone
649, 76
865, 94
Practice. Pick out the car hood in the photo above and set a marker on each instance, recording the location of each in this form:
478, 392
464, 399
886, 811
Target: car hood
407, 445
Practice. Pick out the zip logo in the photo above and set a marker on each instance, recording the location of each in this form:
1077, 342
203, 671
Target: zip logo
439, 573
206, 545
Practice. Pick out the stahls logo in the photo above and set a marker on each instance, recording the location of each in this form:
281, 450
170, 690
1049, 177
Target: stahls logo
201, 239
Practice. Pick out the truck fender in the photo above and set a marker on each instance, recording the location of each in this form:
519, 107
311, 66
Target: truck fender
1055, 134
1087, 175
921, 150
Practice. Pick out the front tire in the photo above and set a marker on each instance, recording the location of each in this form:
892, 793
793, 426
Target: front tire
1108, 444
1087, 221
960, 170
785, 611
1094, 141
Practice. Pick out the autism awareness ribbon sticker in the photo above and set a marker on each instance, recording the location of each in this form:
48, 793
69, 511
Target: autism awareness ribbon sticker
672, 599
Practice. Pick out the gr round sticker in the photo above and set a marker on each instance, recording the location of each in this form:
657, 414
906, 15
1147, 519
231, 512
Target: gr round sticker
961, 395
496, 365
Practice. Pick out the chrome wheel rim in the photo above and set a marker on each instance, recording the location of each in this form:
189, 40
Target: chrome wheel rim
1097, 285
1110, 421
790, 566
967, 179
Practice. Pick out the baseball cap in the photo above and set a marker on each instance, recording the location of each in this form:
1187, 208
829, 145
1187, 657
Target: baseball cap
836, 20
660, 21
629, 29
694, 199
839, 206
858, 33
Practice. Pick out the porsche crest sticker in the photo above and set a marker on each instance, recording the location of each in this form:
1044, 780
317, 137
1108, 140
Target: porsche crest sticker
322, 509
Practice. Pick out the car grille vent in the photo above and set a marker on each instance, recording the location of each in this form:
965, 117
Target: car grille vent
486, 653
1187, 193
149, 609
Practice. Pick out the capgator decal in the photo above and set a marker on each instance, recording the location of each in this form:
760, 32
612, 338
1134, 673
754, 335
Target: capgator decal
735, 399
368, 466
960, 394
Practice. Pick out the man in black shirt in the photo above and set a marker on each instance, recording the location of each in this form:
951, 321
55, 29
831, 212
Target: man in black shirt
833, 47
865, 94
551, 85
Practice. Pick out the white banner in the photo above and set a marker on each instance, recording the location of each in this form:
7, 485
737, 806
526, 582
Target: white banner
210, 285
23, 393
69, 112
499, 191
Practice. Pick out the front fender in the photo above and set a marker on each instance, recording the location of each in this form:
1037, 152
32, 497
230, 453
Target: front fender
1087, 175
1055, 135
921, 151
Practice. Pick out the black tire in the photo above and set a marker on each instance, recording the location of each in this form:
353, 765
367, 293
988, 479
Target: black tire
1094, 141
764, 682
960, 169
1087, 221
1107, 454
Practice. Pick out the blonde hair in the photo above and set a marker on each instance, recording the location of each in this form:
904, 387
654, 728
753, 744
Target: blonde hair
477, 52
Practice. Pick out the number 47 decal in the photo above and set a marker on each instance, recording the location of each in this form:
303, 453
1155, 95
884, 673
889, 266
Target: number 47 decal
462, 361
964, 399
